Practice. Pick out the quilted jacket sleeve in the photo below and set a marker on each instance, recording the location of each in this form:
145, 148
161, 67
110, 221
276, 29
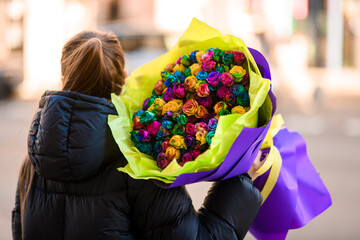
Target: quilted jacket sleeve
227, 212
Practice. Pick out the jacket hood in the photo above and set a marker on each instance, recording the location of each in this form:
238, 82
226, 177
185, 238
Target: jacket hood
69, 138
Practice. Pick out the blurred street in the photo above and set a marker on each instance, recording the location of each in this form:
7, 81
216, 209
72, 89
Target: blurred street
312, 47
332, 135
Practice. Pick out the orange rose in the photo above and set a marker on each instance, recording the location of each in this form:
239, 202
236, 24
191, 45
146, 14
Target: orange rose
239, 110
195, 69
201, 112
191, 107
190, 83
170, 68
172, 153
219, 106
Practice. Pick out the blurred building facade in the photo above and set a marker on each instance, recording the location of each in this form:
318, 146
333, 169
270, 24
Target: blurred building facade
307, 33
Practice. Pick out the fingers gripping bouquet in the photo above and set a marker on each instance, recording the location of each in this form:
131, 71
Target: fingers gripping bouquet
176, 112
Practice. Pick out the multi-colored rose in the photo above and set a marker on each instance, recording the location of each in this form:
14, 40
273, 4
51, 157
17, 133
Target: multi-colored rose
180, 119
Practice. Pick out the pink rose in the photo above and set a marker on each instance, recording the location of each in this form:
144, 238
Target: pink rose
206, 57
239, 58
201, 126
154, 127
165, 144
222, 92
203, 90
179, 90
209, 66
190, 129
195, 153
187, 157
227, 79
162, 160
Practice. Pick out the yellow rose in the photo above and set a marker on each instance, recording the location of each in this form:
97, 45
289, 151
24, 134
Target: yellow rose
201, 112
174, 105
201, 136
179, 67
172, 153
219, 106
190, 83
239, 110
157, 106
195, 69
178, 142
198, 56
238, 72
191, 107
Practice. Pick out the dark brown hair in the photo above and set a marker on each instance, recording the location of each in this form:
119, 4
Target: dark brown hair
92, 63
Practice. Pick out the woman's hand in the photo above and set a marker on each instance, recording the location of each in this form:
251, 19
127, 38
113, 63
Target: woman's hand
256, 166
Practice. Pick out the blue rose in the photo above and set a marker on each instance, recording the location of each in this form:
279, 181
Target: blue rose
180, 77
243, 99
220, 69
236, 89
209, 136
193, 57
158, 146
202, 75
227, 59
170, 81
147, 117
167, 124
137, 113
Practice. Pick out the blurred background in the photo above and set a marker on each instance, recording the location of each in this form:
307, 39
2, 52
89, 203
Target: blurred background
312, 46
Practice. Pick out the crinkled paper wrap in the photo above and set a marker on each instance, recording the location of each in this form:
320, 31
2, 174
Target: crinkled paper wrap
140, 84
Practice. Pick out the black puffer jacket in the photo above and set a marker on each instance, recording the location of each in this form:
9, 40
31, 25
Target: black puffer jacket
77, 192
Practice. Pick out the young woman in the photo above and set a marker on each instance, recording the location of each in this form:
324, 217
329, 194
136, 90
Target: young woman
69, 186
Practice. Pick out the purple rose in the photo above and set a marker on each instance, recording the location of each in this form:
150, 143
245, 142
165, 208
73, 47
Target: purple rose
189, 140
213, 78
169, 94
213, 122
227, 79
205, 101
143, 136
222, 92
179, 90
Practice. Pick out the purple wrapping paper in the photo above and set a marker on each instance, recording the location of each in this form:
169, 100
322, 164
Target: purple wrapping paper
299, 194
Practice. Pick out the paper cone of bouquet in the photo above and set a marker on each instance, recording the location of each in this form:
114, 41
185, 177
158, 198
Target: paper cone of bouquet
158, 145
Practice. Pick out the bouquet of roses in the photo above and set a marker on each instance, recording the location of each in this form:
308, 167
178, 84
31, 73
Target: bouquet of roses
201, 112
176, 111
179, 120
